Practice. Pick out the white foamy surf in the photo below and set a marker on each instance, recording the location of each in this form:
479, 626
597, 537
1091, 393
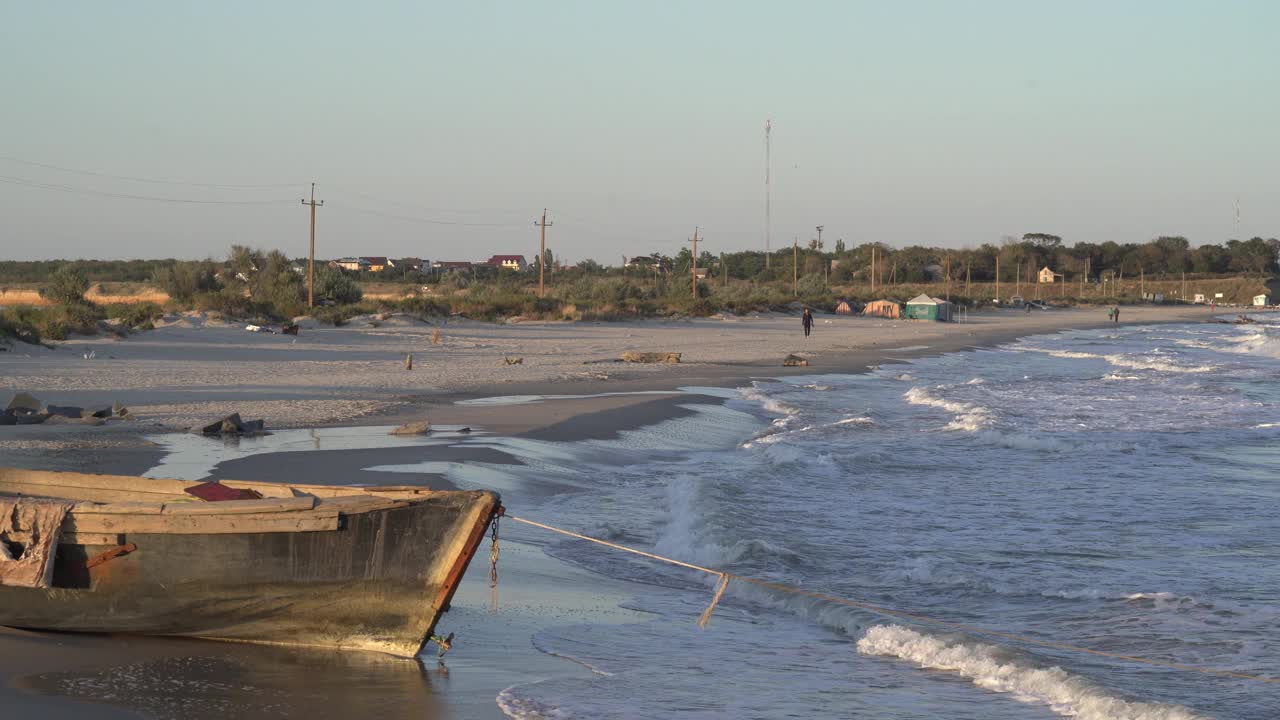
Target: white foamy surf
995, 669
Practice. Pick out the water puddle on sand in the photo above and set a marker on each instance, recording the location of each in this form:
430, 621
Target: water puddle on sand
191, 456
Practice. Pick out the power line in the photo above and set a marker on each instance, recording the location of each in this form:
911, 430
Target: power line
153, 181
429, 221
101, 193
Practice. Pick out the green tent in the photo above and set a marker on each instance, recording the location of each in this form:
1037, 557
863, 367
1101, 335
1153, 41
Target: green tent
923, 307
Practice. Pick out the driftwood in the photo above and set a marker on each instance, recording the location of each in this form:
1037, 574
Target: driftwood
651, 357
513, 360
794, 360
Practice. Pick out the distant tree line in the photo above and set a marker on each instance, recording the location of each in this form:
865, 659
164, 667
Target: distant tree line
1014, 256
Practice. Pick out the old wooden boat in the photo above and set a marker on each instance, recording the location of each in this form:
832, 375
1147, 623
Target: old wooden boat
368, 568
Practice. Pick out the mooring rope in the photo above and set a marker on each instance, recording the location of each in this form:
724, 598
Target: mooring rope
723, 583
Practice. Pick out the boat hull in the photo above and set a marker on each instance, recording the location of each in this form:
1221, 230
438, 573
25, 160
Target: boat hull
379, 582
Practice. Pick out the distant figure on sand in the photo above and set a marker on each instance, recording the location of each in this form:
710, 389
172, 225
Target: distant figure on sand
1111, 315
1116, 314
807, 320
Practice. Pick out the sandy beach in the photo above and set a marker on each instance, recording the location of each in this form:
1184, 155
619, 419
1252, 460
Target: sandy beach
193, 371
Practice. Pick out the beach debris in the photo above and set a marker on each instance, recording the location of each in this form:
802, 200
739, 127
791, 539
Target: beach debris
417, 427
119, 410
408, 361
465, 430
651, 357
513, 360
291, 329
214, 491
435, 336
254, 328
794, 360
442, 644
90, 354
70, 411
23, 403
233, 425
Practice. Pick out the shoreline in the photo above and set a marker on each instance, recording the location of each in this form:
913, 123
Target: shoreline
610, 406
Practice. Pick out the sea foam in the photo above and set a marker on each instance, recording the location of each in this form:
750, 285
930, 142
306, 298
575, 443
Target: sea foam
990, 668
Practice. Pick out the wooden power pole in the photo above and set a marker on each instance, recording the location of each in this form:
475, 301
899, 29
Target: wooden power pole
311, 255
542, 252
997, 278
873, 269
795, 267
694, 272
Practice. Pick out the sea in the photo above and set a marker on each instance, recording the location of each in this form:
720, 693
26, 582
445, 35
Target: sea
1114, 489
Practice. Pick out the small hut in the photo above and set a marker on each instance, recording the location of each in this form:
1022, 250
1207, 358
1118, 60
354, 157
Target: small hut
887, 308
923, 307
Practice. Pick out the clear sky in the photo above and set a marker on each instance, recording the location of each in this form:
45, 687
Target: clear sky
441, 129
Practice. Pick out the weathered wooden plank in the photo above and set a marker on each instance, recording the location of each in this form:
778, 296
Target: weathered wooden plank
89, 538
99, 495
312, 521
266, 489
236, 507
355, 504
120, 508
88, 480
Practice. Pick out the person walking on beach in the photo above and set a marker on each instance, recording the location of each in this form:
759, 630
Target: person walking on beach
807, 320
1116, 314
1111, 315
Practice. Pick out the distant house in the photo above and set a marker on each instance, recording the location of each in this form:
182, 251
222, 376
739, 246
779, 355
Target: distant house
375, 264
700, 273
1048, 276
1260, 301
933, 271
408, 264
1199, 299
888, 308
923, 307
447, 265
350, 263
510, 262
648, 262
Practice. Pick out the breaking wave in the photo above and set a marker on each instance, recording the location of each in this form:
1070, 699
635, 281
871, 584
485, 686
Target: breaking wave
996, 670
1156, 364
519, 708
968, 417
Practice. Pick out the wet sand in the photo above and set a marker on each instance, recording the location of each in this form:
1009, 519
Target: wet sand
58, 675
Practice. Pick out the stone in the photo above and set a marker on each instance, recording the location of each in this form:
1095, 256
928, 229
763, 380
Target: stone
513, 360
99, 413
417, 427
233, 425
795, 361
651, 357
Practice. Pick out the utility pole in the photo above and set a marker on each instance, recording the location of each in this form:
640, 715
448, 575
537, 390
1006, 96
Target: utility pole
947, 296
997, 298
795, 266
695, 263
311, 256
768, 221
542, 252
724, 270
1142, 282
873, 268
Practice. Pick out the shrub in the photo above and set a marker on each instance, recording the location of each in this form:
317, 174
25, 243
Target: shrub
67, 286
185, 280
140, 316
334, 284
15, 326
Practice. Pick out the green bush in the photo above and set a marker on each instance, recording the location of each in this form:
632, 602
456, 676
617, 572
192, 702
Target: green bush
140, 316
16, 324
334, 284
183, 281
67, 286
